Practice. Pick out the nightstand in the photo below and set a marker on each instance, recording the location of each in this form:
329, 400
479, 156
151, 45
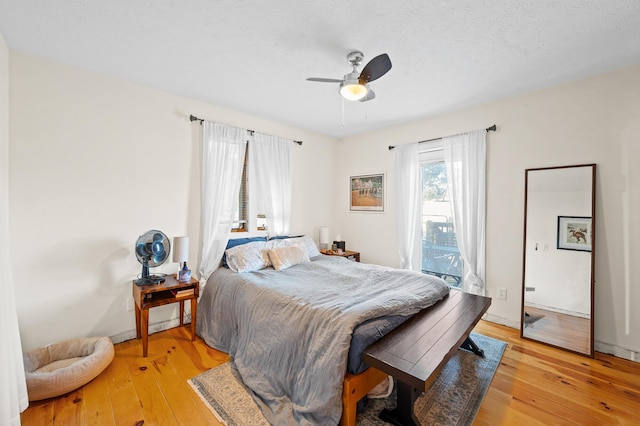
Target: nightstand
170, 291
352, 255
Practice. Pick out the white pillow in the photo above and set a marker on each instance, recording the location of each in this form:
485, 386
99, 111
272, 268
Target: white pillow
306, 241
248, 257
287, 256
312, 248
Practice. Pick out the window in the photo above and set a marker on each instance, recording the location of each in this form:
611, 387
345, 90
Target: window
439, 252
261, 222
240, 219
241, 222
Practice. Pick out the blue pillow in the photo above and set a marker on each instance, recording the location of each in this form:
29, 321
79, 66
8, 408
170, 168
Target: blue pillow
237, 242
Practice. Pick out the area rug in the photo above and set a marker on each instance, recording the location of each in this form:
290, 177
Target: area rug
453, 399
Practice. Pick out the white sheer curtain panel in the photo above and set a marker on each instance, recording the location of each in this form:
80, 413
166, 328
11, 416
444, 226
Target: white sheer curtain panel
13, 388
223, 149
408, 196
465, 160
270, 157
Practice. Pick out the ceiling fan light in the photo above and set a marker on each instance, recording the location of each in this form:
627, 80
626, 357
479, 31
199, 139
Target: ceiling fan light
353, 91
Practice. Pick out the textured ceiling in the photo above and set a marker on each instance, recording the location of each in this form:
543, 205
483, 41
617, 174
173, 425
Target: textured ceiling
254, 56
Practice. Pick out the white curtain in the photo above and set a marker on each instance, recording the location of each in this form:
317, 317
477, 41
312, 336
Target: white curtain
270, 157
223, 152
13, 388
465, 160
408, 196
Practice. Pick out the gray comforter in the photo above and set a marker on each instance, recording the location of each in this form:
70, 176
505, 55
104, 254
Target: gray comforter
288, 331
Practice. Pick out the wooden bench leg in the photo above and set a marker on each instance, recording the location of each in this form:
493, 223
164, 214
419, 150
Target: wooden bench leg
471, 346
402, 415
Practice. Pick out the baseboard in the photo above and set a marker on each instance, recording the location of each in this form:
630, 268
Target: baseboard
502, 321
153, 328
558, 311
617, 351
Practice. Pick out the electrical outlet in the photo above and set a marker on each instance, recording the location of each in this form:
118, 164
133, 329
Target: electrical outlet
129, 304
502, 293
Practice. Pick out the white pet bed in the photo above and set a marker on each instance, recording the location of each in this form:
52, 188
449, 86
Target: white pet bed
61, 367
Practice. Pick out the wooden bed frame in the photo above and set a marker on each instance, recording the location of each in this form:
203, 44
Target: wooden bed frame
414, 353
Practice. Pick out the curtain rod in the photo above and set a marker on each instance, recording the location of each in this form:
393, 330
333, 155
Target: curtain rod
194, 118
488, 129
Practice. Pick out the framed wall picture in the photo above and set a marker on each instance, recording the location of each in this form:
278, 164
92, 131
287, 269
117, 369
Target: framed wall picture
367, 193
574, 233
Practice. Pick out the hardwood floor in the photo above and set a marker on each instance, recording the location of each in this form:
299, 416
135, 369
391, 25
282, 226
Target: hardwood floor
540, 385
134, 390
534, 385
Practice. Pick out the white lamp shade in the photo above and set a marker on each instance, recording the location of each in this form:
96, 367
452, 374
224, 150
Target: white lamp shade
180, 249
324, 237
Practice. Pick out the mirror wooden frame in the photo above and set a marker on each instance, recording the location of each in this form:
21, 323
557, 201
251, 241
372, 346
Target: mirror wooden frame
558, 344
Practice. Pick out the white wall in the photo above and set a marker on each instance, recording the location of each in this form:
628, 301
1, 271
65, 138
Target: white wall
4, 121
95, 162
595, 120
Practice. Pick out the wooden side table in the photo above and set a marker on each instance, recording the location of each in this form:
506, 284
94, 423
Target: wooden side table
355, 255
170, 291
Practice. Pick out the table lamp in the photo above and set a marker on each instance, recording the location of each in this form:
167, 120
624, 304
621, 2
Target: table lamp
324, 238
180, 255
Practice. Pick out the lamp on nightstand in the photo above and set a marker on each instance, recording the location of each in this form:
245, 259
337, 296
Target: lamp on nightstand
180, 255
324, 238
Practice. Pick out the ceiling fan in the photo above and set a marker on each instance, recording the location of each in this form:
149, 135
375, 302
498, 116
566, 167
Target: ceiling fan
355, 85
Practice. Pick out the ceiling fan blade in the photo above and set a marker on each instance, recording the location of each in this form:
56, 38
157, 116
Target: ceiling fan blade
324, 80
376, 68
371, 95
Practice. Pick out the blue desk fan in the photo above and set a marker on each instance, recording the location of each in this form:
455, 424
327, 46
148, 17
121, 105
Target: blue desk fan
152, 249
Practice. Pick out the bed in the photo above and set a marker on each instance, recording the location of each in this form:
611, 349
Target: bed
289, 331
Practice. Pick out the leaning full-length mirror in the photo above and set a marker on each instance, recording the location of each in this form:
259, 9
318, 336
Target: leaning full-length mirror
559, 240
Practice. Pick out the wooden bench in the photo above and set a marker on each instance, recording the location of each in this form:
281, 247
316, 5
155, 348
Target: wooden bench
415, 352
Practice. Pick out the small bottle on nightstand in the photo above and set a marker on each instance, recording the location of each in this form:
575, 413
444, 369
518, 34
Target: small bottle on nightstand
184, 275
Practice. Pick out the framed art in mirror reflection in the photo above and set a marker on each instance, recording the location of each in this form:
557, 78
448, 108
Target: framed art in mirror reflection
574, 233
